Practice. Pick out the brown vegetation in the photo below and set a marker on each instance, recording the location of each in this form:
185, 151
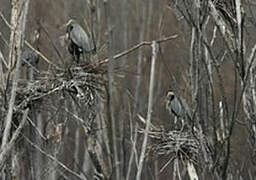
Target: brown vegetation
104, 118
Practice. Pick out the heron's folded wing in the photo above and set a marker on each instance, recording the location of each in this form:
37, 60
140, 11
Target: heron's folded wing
186, 108
80, 38
176, 107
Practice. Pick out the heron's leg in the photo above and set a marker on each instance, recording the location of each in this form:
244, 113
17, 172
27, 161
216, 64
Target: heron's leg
87, 57
77, 54
78, 57
74, 55
182, 124
72, 51
175, 119
176, 126
84, 57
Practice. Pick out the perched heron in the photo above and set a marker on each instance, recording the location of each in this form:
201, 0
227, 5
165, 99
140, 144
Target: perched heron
29, 57
178, 106
79, 41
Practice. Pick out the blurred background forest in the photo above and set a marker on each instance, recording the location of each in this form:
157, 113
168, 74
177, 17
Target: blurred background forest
87, 121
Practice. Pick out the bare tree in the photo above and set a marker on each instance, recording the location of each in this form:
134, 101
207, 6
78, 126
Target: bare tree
104, 118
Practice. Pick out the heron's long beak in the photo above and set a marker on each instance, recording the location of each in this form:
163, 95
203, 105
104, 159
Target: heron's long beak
63, 26
66, 24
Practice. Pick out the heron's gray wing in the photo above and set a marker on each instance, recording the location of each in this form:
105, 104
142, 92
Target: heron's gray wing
80, 38
186, 109
30, 56
26, 55
176, 106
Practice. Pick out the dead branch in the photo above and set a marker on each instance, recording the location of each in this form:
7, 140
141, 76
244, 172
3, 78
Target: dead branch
111, 91
143, 43
29, 45
223, 27
18, 20
7, 148
150, 105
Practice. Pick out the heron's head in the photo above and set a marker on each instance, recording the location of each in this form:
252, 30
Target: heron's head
68, 25
170, 95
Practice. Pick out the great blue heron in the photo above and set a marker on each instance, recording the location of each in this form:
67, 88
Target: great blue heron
79, 41
178, 106
29, 57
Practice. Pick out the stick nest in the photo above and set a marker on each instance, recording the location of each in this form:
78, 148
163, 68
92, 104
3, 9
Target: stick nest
85, 85
182, 145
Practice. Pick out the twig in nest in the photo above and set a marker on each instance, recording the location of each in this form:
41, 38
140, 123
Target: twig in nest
182, 145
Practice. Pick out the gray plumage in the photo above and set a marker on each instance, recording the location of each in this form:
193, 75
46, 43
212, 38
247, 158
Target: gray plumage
79, 41
177, 106
29, 57
79, 37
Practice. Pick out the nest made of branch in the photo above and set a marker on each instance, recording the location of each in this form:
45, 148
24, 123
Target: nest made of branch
182, 145
80, 82
84, 84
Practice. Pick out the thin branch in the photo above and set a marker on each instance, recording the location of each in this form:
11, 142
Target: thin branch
14, 57
7, 148
52, 43
30, 46
3, 59
192, 171
53, 158
143, 43
2, 78
150, 105
42, 56
225, 32
37, 129
5, 20
111, 89
134, 132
